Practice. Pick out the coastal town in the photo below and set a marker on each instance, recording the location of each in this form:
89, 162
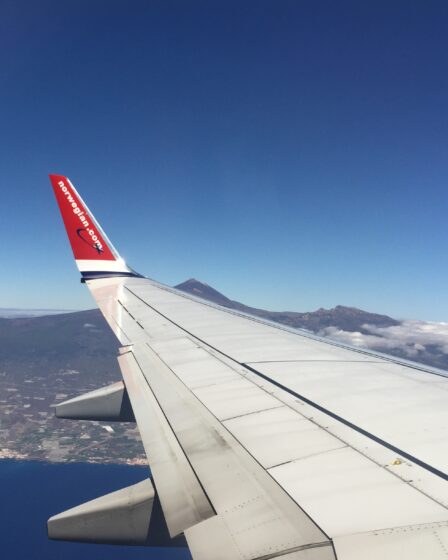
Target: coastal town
29, 429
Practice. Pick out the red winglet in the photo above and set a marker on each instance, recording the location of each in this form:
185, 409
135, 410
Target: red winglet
87, 241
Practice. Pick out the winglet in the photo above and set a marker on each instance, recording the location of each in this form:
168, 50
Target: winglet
94, 254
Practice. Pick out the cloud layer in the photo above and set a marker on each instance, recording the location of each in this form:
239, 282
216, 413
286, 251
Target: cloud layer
411, 338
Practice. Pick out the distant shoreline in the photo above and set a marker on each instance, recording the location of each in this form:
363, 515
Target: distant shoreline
13, 456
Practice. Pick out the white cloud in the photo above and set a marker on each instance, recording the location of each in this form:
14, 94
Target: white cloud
410, 337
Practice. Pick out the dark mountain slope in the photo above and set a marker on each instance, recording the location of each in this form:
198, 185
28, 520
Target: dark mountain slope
346, 318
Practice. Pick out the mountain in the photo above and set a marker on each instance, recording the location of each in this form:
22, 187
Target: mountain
418, 341
76, 340
44, 360
345, 318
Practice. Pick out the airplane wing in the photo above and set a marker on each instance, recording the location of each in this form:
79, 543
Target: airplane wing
263, 441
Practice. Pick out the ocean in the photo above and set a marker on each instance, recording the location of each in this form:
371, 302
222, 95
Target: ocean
33, 491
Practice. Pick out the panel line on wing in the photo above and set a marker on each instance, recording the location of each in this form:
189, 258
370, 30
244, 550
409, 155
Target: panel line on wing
358, 429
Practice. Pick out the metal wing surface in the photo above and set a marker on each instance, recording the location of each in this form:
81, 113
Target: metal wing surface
268, 442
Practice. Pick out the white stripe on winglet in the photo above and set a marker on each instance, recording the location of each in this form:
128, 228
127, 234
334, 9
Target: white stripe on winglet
88, 265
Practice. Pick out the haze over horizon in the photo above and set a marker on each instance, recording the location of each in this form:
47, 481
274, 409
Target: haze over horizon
292, 155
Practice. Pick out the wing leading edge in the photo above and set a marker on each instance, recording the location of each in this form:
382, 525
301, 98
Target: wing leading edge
266, 442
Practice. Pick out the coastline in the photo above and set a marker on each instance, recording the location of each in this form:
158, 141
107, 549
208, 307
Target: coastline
10, 454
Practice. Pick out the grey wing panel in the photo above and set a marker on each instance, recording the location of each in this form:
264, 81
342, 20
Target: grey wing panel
191, 355
336, 478
365, 390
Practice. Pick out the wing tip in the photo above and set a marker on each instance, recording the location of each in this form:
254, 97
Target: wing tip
94, 253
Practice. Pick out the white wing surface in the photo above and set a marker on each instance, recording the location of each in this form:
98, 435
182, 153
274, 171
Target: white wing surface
263, 441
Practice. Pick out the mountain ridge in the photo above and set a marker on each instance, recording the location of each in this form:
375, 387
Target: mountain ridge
342, 317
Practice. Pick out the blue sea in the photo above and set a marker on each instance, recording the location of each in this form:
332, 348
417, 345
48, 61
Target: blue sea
31, 492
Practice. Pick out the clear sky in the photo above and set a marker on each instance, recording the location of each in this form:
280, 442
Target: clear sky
292, 154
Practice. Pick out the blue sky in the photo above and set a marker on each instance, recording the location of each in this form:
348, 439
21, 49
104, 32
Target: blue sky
292, 154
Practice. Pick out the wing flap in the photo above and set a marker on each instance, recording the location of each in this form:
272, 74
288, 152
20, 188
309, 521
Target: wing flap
211, 540
182, 498
259, 517
413, 543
